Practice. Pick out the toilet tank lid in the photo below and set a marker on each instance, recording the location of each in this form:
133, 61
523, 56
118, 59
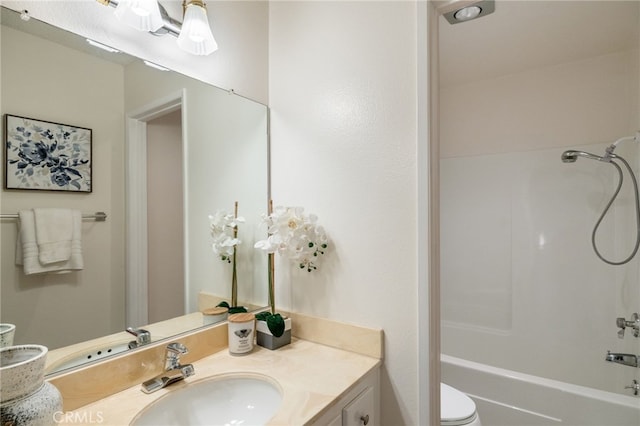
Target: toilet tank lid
455, 405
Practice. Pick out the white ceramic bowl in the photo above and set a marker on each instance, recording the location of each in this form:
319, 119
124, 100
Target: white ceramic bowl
22, 370
7, 332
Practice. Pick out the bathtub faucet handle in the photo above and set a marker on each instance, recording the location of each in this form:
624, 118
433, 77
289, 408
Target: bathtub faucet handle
633, 323
635, 386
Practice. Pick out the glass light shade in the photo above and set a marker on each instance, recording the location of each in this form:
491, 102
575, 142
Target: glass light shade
195, 35
468, 13
143, 15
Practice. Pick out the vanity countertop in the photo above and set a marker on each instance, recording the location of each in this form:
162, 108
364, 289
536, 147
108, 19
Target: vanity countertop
312, 376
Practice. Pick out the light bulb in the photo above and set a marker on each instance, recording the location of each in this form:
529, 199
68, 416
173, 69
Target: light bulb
195, 35
143, 15
467, 13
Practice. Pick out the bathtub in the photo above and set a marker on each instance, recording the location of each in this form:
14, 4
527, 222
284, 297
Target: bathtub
509, 398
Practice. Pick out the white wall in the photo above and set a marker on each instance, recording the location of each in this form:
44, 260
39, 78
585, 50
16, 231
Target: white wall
343, 127
46, 81
521, 286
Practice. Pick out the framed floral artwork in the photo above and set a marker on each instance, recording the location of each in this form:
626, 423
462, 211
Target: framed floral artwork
46, 156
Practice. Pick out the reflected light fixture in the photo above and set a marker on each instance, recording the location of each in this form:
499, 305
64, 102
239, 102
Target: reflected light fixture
154, 65
143, 15
102, 46
195, 35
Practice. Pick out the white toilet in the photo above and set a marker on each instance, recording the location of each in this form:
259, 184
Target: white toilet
456, 408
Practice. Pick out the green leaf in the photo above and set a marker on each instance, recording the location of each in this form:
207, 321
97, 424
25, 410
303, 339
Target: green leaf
276, 324
223, 304
262, 316
237, 309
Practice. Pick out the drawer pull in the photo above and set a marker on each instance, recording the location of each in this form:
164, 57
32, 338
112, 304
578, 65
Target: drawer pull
365, 419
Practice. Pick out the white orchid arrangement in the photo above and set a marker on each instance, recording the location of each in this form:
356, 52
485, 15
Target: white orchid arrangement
295, 235
224, 232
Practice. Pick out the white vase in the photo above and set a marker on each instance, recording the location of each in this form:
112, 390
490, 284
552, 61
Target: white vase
25, 398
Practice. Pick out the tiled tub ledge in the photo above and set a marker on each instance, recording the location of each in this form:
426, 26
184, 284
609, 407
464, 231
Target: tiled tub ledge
312, 376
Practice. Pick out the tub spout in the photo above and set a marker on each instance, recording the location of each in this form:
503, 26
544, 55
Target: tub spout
624, 359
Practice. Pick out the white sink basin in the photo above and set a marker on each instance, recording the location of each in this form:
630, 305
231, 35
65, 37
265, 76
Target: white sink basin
238, 399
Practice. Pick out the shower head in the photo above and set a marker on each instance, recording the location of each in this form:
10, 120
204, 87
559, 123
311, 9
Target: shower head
571, 156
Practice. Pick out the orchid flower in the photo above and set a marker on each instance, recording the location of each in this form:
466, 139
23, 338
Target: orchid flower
294, 235
223, 228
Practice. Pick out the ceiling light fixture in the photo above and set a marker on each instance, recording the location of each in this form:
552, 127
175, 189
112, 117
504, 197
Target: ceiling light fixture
470, 11
195, 36
467, 13
143, 15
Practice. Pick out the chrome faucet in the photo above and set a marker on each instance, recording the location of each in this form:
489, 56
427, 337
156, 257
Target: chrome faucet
624, 359
174, 371
143, 337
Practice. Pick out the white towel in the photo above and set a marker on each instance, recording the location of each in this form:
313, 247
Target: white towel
54, 231
27, 252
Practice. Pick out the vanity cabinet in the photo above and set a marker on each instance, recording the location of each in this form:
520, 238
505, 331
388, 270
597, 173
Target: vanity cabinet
360, 406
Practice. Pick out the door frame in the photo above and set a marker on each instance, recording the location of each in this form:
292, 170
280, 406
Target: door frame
136, 275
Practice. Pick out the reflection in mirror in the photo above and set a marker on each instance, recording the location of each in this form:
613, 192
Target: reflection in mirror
192, 149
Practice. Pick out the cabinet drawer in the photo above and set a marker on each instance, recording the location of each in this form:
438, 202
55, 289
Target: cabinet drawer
361, 411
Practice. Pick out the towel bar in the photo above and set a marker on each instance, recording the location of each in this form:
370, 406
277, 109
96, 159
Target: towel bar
97, 216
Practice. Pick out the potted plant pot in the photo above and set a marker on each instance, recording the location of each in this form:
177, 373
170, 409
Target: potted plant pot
274, 337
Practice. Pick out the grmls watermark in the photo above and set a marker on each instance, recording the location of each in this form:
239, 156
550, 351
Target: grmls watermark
85, 417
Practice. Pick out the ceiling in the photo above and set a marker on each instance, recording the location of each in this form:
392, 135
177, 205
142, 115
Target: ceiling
527, 34
520, 35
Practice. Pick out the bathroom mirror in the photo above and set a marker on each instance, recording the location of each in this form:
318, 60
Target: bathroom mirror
198, 147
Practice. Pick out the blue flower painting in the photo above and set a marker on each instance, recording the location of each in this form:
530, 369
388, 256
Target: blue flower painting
48, 156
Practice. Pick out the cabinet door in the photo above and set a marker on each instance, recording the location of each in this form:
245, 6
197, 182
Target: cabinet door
360, 411
337, 421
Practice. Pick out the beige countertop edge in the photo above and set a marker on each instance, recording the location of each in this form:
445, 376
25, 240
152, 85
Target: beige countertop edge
312, 377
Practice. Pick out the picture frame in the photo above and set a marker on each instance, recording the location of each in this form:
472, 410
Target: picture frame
47, 156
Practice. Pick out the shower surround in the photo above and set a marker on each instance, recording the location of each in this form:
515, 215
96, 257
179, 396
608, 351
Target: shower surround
521, 286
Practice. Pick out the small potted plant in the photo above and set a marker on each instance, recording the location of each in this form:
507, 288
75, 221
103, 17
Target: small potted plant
224, 232
296, 236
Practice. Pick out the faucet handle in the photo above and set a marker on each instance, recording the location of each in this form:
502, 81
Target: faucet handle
176, 348
633, 323
143, 337
172, 360
635, 387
